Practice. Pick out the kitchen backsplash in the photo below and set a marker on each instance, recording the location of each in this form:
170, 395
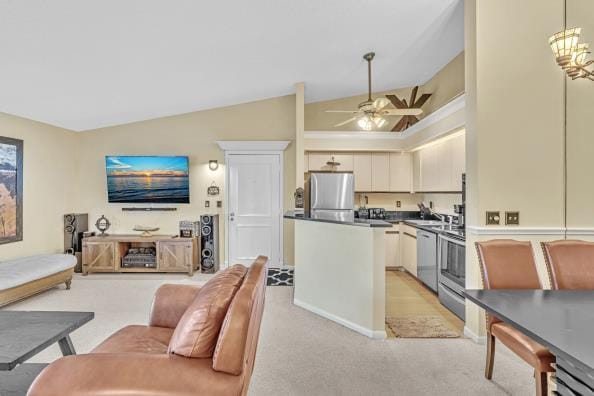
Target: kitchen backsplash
442, 203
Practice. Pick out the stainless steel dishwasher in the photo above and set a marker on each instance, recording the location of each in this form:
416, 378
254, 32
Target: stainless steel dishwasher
427, 258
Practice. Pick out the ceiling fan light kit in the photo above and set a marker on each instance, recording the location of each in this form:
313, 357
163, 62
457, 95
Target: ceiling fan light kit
371, 113
571, 55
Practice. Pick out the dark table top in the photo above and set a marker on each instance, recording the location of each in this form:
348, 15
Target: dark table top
24, 334
561, 320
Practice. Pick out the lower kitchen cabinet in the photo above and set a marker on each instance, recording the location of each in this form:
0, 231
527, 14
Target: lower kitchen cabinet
393, 247
408, 245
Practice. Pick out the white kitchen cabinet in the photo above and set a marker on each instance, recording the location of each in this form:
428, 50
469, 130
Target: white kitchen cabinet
392, 247
400, 172
319, 161
362, 171
458, 155
443, 166
380, 176
408, 244
416, 171
429, 169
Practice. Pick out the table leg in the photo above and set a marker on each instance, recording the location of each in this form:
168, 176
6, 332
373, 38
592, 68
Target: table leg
66, 346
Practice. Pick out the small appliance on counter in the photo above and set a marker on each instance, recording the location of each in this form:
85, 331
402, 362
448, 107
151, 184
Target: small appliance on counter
330, 195
377, 213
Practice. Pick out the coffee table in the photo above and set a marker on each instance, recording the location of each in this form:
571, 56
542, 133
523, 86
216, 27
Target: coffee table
23, 334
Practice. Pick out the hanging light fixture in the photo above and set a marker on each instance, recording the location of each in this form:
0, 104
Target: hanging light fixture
570, 54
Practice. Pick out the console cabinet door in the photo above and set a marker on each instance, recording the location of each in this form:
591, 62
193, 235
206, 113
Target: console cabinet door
175, 256
98, 256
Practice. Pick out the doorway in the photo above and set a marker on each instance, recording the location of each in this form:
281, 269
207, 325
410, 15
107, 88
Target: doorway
254, 203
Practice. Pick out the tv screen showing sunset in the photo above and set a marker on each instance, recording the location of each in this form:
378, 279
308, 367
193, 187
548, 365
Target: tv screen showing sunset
147, 179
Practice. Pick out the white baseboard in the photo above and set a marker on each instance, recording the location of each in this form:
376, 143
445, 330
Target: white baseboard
474, 337
375, 334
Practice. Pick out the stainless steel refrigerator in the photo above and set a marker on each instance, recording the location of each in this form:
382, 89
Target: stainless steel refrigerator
331, 195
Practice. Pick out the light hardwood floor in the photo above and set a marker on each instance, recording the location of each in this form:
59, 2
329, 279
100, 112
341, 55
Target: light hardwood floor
405, 296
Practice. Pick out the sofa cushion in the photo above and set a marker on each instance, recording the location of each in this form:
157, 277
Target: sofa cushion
137, 339
22, 270
197, 331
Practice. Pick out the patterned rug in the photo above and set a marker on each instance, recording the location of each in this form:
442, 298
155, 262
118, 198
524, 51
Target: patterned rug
280, 277
421, 327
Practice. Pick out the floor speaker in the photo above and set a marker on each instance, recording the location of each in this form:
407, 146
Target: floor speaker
75, 224
209, 242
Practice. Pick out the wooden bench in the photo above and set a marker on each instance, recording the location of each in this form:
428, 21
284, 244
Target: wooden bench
26, 276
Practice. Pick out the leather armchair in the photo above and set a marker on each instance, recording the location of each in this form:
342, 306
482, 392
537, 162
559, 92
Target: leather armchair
509, 264
135, 359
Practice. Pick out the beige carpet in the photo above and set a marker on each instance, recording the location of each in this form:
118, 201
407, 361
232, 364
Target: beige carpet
300, 353
421, 327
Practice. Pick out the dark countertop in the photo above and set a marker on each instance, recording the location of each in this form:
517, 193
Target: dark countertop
354, 222
562, 320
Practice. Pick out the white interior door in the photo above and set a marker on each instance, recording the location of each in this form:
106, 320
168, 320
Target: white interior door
255, 207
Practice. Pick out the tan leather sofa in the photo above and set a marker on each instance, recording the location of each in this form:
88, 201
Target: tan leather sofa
138, 360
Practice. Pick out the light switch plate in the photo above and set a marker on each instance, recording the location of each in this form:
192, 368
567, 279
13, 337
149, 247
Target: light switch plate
512, 218
493, 218
398, 204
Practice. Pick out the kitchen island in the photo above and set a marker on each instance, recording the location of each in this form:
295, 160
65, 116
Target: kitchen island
340, 271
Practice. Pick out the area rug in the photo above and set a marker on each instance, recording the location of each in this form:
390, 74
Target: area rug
280, 277
420, 327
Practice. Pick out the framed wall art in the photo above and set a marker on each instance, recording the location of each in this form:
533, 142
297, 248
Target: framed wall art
11, 190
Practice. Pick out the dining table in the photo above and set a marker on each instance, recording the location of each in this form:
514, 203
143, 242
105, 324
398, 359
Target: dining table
561, 320
23, 334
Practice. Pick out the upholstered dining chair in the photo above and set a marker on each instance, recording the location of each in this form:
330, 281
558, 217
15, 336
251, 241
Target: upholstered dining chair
570, 264
509, 264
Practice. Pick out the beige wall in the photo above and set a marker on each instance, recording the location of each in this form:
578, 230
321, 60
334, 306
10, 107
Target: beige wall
195, 135
49, 190
444, 86
514, 128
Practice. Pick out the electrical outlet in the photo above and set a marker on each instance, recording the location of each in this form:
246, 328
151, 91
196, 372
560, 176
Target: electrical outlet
398, 204
512, 218
493, 218
431, 204
219, 204
207, 204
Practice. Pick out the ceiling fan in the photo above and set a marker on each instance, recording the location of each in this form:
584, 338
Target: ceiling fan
371, 113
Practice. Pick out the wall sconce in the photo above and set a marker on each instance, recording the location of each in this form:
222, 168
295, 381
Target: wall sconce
570, 54
213, 165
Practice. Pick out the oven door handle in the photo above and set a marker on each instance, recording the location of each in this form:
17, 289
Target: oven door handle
456, 241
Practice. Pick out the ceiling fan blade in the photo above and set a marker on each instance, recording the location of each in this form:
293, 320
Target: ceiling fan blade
346, 122
413, 95
342, 111
380, 103
402, 112
422, 100
396, 102
400, 125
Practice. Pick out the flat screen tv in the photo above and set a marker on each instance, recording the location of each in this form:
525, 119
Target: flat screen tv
155, 179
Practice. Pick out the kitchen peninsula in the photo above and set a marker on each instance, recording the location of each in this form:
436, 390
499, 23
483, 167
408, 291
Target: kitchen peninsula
340, 271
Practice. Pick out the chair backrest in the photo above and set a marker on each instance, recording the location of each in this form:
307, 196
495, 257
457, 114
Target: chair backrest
570, 264
507, 264
238, 339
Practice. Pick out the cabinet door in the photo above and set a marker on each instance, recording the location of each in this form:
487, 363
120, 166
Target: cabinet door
416, 164
409, 246
345, 160
428, 169
380, 168
458, 150
392, 247
400, 172
362, 171
443, 166
99, 256
175, 256
317, 161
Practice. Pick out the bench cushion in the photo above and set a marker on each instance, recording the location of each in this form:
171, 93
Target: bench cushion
22, 270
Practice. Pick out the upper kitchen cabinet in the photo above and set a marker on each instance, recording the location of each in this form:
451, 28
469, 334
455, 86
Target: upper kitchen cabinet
439, 167
319, 162
400, 172
362, 170
380, 176
458, 155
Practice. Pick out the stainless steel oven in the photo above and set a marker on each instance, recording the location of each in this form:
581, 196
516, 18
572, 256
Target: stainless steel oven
451, 258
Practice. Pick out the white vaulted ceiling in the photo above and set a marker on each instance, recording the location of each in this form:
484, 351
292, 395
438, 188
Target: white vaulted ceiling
88, 64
